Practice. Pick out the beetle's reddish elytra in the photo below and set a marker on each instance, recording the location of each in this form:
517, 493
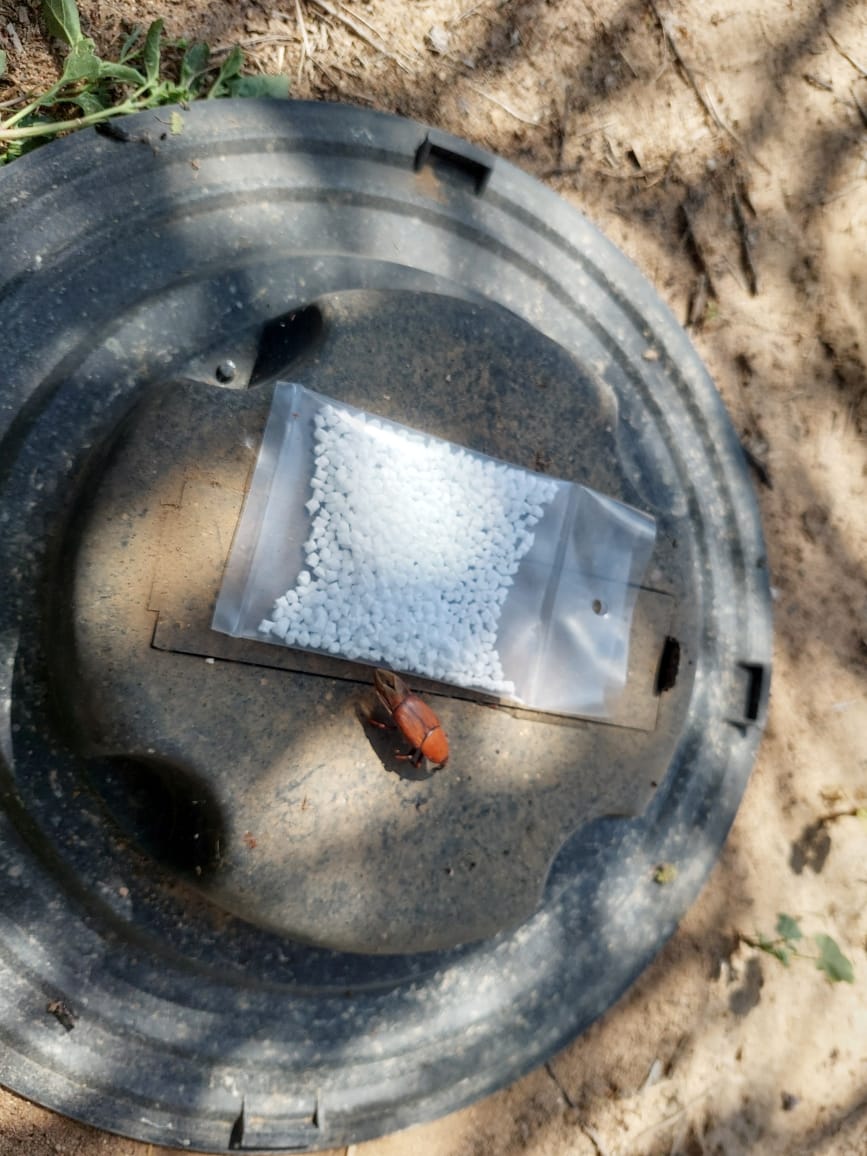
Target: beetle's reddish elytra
413, 718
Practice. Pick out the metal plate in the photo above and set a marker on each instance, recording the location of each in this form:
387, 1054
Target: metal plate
134, 995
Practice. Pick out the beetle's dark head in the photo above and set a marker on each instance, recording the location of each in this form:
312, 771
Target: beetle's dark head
390, 688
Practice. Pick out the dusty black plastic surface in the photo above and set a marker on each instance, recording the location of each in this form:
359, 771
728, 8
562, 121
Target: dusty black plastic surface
130, 995
305, 823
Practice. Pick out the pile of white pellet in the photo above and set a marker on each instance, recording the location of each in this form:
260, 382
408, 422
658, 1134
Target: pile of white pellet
412, 548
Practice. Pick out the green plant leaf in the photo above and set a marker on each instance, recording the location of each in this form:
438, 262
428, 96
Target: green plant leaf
276, 87
166, 92
61, 19
81, 63
131, 47
772, 947
89, 102
194, 62
230, 69
832, 960
151, 58
91, 84
788, 928
17, 148
122, 73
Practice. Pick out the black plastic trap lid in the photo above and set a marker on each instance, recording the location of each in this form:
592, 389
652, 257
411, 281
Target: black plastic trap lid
228, 922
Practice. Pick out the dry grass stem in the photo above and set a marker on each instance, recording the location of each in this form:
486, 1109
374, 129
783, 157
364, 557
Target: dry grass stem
372, 39
534, 121
701, 92
846, 56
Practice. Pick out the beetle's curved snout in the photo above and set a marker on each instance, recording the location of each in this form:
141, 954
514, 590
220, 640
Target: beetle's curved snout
390, 687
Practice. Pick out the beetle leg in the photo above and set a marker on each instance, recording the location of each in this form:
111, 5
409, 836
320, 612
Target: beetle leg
374, 722
414, 757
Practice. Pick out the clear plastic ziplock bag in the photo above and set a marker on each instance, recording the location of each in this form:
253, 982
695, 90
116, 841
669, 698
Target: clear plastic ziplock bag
371, 542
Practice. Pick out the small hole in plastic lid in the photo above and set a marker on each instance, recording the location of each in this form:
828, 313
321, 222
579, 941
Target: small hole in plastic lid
599, 607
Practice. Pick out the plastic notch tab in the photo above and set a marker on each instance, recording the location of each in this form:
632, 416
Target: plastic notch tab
451, 157
751, 691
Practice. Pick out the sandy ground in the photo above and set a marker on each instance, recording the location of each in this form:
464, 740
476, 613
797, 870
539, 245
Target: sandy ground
723, 146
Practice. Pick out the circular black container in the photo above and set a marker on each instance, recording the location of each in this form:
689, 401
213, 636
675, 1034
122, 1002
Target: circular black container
154, 287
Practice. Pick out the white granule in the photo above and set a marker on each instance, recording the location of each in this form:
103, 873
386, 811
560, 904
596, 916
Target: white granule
413, 546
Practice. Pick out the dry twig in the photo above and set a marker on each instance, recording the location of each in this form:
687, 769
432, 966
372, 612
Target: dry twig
649, 177
818, 82
704, 97
746, 240
341, 89
302, 28
861, 109
690, 237
255, 42
561, 170
699, 300
758, 466
468, 12
655, 176
534, 121
855, 64
372, 38
306, 53
704, 288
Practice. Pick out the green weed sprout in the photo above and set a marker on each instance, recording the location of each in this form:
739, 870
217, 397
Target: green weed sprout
787, 946
102, 89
